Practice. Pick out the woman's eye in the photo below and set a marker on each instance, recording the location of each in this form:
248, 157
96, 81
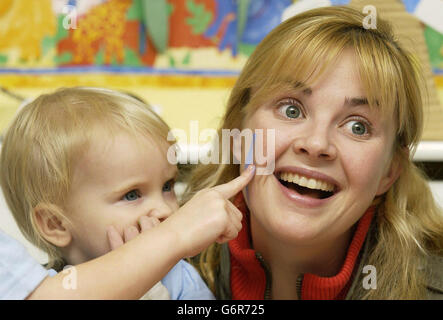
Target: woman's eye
168, 186
358, 128
131, 195
290, 110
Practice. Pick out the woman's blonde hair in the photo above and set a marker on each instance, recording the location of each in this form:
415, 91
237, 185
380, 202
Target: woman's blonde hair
295, 54
45, 140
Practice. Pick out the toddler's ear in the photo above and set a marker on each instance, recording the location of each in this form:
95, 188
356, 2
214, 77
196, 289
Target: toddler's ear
52, 225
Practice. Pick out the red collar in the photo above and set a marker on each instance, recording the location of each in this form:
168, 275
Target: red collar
248, 279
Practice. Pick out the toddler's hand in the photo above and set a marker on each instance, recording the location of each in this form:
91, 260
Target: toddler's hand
209, 216
116, 239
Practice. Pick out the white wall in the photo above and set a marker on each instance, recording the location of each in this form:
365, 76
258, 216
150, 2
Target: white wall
437, 189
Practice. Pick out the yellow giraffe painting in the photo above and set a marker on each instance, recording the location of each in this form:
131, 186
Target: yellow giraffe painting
103, 25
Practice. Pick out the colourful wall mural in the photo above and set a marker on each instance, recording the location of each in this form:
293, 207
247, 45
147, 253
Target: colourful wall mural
210, 35
160, 34
163, 50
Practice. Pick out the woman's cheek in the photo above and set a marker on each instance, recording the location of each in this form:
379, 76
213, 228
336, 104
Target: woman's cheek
363, 167
282, 142
269, 145
272, 137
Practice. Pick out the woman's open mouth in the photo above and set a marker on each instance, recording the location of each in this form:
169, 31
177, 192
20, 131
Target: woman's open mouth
305, 189
306, 186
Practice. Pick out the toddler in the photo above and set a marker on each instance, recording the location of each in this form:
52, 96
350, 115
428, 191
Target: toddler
84, 170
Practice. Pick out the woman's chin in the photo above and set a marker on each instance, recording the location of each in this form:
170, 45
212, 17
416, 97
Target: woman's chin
288, 226
300, 232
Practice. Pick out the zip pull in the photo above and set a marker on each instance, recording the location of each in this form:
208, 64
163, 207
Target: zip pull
299, 284
268, 275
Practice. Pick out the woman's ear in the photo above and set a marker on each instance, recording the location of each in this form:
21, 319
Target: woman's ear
393, 172
52, 225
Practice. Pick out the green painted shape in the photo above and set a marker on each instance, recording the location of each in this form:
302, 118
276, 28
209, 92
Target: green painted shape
246, 49
131, 58
64, 58
47, 44
187, 59
170, 8
156, 20
3, 59
114, 61
135, 11
99, 58
242, 17
200, 18
434, 41
171, 61
61, 33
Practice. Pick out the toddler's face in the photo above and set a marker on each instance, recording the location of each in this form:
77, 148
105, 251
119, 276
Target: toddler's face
115, 183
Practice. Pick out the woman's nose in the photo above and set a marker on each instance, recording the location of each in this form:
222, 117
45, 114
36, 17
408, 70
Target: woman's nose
315, 144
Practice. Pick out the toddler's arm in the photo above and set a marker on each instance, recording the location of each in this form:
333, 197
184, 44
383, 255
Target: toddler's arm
127, 272
132, 269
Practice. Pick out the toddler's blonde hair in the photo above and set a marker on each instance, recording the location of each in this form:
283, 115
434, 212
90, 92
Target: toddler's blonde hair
46, 138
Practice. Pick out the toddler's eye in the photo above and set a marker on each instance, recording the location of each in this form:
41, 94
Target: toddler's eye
131, 195
358, 128
168, 186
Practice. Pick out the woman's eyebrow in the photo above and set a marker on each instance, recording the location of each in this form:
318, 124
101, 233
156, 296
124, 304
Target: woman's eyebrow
356, 101
298, 85
307, 91
351, 102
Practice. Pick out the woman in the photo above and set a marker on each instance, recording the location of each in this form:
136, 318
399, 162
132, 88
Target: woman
345, 214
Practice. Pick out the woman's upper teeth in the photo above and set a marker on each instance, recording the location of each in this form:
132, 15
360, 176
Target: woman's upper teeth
307, 182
